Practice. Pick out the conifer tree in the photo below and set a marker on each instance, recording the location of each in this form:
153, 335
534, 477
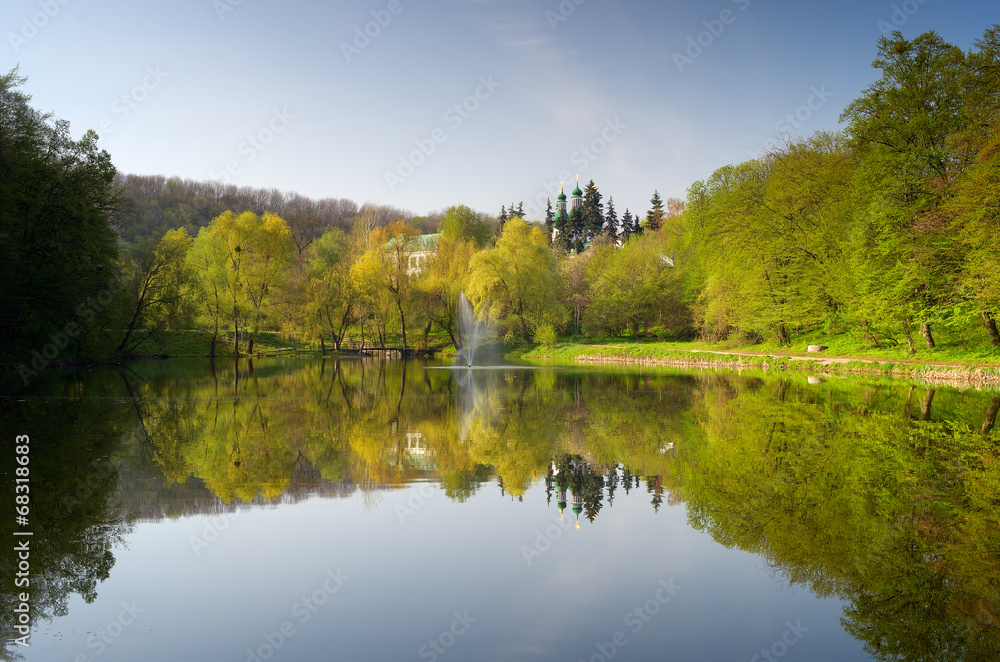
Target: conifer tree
576, 229
627, 228
611, 220
593, 212
550, 216
654, 217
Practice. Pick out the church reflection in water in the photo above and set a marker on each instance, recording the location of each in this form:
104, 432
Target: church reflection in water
811, 477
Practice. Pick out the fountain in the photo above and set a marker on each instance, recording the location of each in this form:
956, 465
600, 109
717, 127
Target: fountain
471, 331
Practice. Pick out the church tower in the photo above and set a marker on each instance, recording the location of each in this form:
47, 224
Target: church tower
577, 195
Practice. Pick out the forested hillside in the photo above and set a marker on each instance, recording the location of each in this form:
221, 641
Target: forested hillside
157, 204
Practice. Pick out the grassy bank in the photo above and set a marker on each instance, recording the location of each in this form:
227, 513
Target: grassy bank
192, 344
945, 364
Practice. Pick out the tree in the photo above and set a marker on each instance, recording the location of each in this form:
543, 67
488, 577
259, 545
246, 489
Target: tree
593, 212
629, 226
763, 244
633, 287
332, 298
440, 285
903, 128
241, 261
655, 216
461, 223
576, 230
612, 220
57, 247
387, 266
514, 284
977, 220
154, 290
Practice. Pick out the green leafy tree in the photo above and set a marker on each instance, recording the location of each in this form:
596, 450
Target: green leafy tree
440, 285
633, 288
331, 303
154, 290
241, 261
57, 248
514, 284
462, 223
903, 128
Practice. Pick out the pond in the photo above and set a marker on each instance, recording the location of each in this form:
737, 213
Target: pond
292, 510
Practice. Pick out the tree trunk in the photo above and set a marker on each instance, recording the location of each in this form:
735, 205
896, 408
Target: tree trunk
925, 329
215, 339
236, 338
925, 406
991, 416
908, 334
783, 336
253, 337
322, 345
991, 328
402, 320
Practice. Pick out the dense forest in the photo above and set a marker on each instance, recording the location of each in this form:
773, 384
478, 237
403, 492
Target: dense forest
888, 231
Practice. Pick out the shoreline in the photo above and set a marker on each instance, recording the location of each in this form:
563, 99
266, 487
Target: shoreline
975, 375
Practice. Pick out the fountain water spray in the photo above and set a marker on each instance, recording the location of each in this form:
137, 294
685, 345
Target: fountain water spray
471, 331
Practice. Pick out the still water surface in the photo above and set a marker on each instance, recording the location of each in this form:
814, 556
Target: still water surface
309, 510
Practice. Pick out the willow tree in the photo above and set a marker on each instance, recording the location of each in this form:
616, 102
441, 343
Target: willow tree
331, 299
241, 260
438, 288
515, 284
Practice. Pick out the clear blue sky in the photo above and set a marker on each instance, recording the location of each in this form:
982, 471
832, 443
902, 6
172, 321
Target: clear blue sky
332, 113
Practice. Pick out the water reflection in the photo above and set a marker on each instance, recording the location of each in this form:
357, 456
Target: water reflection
885, 496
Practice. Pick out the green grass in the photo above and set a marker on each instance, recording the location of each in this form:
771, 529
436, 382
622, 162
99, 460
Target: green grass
198, 343
952, 347
186, 344
893, 362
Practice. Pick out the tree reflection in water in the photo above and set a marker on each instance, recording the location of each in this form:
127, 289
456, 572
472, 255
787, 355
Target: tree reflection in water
886, 496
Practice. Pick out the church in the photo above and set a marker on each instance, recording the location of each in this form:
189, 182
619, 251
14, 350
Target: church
562, 214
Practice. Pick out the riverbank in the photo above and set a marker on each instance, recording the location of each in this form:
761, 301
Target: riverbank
974, 372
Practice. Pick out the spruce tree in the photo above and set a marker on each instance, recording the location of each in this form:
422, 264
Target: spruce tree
576, 230
611, 219
550, 216
630, 225
654, 217
520, 210
593, 212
